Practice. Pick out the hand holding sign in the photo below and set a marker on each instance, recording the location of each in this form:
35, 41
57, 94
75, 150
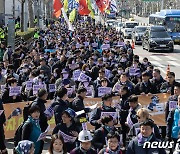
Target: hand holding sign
42, 136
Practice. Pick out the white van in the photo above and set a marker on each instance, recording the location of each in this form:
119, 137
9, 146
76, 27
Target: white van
128, 28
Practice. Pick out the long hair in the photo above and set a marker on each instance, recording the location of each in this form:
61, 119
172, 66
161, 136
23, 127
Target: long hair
54, 137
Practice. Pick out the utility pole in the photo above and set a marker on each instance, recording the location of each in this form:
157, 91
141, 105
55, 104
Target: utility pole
25, 16
22, 15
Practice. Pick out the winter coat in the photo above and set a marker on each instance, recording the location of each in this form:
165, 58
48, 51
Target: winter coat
42, 119
95, 115
80, 151
134, 148
31, 131
59, 106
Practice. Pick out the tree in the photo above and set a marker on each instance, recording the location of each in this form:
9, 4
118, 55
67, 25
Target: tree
31, 14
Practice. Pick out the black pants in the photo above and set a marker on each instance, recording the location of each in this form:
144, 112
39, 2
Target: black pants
2, 138
125, 130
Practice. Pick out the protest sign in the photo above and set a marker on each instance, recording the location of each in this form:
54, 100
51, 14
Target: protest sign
113, 114
73, 66
89, 91
105, 46
70, 91
52, 88
37, 87
84, 77
76, 74
132, 71
66, 137
43, 135
29, 85
104, 90
14, 91
86, 43
49, 111
172, 105
117, 87
2, 88
94, 45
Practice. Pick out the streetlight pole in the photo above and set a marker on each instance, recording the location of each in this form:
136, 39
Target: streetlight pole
162, 4
14, 9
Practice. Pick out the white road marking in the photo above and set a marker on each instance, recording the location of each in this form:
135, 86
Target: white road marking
156, 58
173, 63
156, 63
171, 58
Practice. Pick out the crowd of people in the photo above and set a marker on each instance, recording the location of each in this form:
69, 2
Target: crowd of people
91, 61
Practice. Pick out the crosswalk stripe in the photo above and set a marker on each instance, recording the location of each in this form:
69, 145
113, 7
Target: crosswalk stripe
173, 63
156, 63
161, 69
140, 58
171, 58
156, 58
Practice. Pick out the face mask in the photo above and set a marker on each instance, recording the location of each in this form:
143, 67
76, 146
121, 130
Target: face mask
100, 64
123, 60
94, 57
65, 76
73, 62
145, 63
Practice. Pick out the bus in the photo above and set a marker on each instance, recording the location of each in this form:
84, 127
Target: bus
170, 19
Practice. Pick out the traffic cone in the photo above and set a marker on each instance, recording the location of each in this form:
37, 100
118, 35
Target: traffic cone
167, 71
132, 44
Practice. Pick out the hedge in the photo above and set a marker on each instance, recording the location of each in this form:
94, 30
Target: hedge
26, 35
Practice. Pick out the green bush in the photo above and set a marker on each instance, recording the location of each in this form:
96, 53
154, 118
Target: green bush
26, 35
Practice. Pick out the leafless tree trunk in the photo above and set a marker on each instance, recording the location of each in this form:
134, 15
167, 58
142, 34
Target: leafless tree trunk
31, 14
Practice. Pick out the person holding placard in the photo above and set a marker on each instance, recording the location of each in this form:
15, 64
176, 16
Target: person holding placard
172, 100
68, 128
40, 102
134, 106
85, 147
173, 123
16, 95
100, 135
96, 115
57, 145
31, 129
113, 144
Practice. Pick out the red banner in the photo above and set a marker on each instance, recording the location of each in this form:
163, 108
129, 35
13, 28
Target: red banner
57, 8
102, 5
83, 7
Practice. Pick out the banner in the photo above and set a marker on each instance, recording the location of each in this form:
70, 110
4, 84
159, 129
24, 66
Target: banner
72, 15
57, 8
15, 120
67, 138
83, 7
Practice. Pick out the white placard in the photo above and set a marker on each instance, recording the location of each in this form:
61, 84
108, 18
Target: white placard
104, 90
37, 87
89, 91
172, 105
29, 85
83, 77
113, 114
43, 135
3, 88
49, 111
14, 91
52, 88
76, 74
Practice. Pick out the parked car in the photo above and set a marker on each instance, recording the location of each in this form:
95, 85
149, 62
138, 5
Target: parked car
156, 38
137, 34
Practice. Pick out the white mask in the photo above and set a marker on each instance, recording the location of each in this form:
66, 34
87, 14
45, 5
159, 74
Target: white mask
65, 76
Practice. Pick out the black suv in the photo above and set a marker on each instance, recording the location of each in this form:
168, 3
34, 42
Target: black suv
157, 39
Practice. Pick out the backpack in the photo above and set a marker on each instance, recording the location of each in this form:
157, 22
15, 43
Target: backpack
26, 111
18, 133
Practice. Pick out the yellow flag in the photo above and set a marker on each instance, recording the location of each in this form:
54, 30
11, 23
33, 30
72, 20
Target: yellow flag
72, 15
90, 8
66, 5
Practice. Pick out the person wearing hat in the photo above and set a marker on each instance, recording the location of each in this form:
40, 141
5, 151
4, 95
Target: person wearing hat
85, 147
145, 86
24, 147
68, 127
40, 102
